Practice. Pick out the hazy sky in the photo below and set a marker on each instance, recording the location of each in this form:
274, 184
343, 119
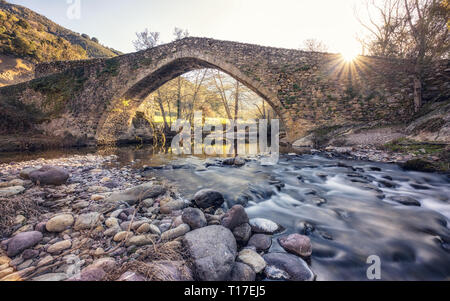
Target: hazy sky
278, 23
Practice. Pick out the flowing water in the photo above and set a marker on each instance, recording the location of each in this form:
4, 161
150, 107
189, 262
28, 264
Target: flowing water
346, 207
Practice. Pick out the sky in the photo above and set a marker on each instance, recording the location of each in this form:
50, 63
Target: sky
277, 23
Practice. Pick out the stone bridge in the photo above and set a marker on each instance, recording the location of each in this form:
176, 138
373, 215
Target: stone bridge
93, 101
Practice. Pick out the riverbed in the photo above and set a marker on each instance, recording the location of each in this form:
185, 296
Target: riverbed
350, 209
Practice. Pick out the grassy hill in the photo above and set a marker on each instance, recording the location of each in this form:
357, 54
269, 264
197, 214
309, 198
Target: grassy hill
28, 35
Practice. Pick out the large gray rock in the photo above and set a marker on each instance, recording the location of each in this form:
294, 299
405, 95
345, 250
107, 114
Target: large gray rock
213, 250
293, 266
23, 241
208, 198
49, 175
138, 193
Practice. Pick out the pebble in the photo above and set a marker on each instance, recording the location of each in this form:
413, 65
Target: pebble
11, 191
261, 242
297, 244
59, 223
87, 221
252, 259
122, 236
235, 217
262, 225
194, 218
175, 233
59, 247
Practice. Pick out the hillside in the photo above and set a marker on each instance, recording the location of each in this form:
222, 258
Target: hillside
27, 38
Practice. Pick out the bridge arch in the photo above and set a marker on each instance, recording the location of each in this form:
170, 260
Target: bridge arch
116, 119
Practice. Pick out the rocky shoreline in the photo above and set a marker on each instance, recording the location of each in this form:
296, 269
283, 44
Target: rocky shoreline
74, 219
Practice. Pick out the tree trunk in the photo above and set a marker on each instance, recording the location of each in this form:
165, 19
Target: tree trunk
179, 99
163, 112
236, 102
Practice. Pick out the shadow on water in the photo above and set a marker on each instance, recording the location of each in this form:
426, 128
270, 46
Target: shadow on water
350, 209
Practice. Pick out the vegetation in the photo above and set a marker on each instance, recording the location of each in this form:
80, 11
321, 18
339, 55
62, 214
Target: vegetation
26, 34
412, 29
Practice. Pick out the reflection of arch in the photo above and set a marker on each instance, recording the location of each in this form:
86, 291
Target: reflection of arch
115, 121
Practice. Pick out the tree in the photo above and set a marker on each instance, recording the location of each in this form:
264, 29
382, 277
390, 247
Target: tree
314, 45
413, 29
146, 40
180, 33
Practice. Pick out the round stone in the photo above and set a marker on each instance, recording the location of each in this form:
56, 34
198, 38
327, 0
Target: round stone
59, 223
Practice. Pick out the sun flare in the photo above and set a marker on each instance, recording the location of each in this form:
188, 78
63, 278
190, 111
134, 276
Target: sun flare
349, 55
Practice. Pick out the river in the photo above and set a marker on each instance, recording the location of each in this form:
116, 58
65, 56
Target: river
350, 209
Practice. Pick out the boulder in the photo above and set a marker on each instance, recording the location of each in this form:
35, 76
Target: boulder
49, 175
213, 251
235, 217
208, 198
293, 266
194, 218
138, 193
23, 241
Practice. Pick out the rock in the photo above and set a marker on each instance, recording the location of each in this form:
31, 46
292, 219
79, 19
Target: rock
11, 191
208, 198
261, 242
275, 273
19, 220
87, 221
305, 142
155, 230
235, 217
252, 259
141, 240
112, 222
112, 231
25, 173
52, 277
49, 175
213, 251
122, 236
23, 241
29, 254
173, 205
59, 223
175, 233
194, 218
97, 271
242, 272
17, 276
297, 244
135, 194
262, 225
6, 272
148, 203
131, 277
144, 228
295, 267
59, 247
242, 233
405, 200
45, 261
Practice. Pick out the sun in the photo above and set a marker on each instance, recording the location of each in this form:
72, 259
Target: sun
349, 55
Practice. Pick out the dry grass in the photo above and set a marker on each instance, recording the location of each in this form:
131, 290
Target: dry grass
11, 207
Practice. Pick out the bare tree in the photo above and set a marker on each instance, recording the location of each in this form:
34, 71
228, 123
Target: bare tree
314, 45
146, 40
413, 29
180, 33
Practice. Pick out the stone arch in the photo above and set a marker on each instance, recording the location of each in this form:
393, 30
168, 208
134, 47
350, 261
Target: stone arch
117, 118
